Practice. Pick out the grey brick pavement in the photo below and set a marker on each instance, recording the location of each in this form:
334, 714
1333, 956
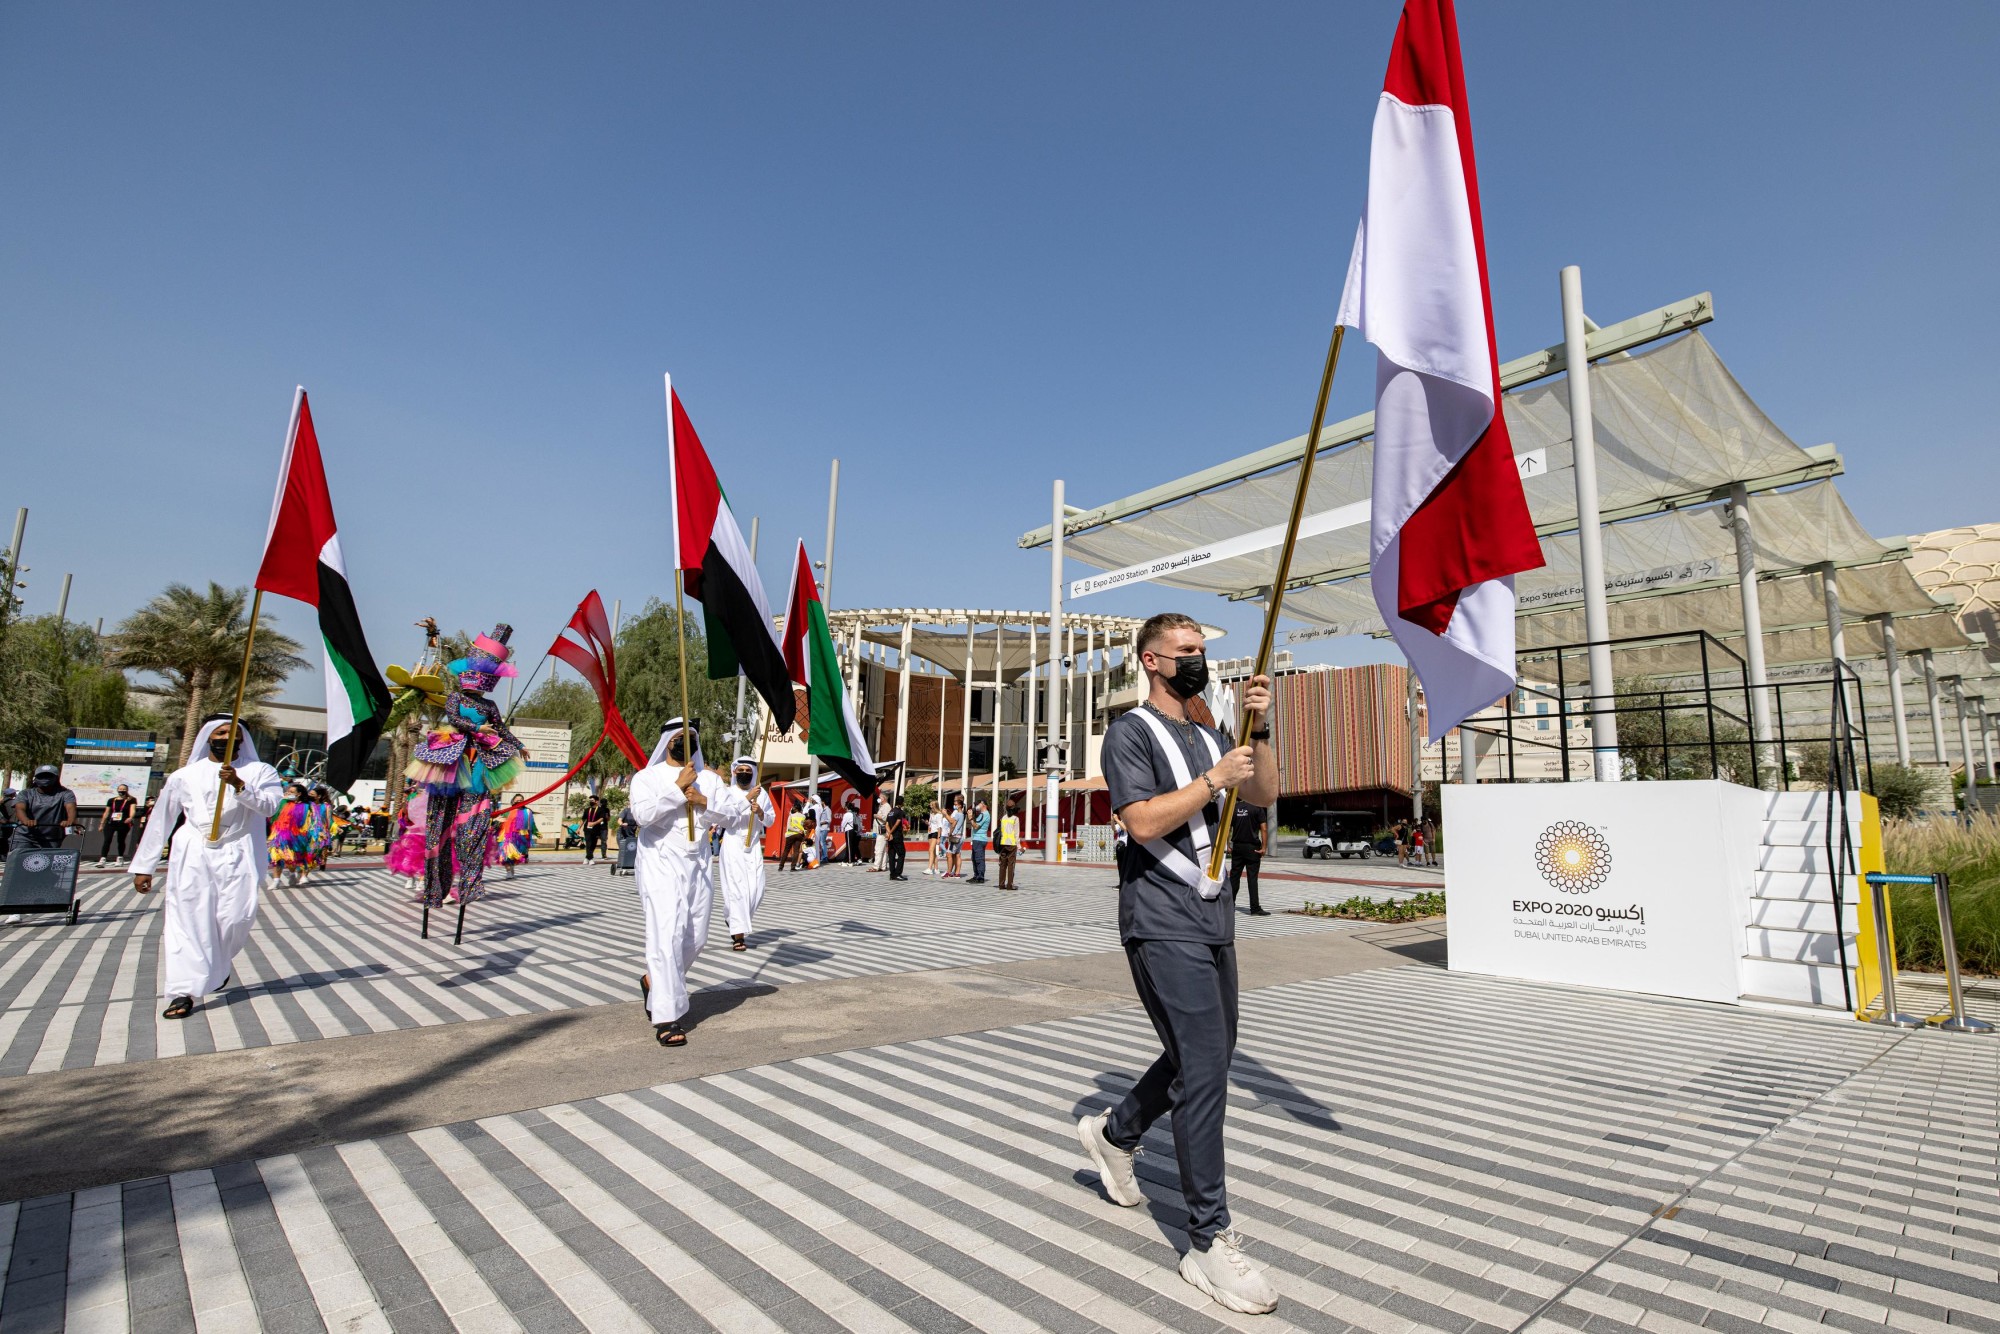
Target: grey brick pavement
1409, 1149
340, 956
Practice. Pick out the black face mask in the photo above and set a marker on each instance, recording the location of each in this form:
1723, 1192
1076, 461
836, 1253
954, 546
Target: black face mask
45, 784
1190, 676
745, 780
218, 746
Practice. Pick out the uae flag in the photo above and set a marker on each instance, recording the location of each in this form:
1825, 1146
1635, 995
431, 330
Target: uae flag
716, 571
832, 731
1449, 525
302, 560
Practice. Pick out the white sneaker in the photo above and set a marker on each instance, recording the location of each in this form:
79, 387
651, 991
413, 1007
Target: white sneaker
1114, 1165
1227, 1277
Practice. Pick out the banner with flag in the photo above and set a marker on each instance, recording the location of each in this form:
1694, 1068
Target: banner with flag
302, 561
717, 571
1449, 524
832, 731
595, 659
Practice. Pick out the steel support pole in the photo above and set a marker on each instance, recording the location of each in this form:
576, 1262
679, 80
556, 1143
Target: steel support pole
1058, 718
903, 704
1753, 622
1031, 710
1933, 699
1836, 624
1089, 698
999, 730
1589, 531
965, 727
1416, 747
1964, 741
1986, 743
736, 721
62, 601
1894, 662
826, 595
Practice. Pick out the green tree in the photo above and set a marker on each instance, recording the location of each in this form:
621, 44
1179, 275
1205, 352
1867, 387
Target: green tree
649, 683
195, 640
54, 676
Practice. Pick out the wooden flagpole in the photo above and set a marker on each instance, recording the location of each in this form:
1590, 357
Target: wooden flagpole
235, 713
1276, 598
687, 723
763, 744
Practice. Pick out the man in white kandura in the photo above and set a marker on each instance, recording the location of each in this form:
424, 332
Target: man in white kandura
744, 812
211, 889
673, 870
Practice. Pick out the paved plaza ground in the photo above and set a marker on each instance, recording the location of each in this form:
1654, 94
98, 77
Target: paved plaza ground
871, 1129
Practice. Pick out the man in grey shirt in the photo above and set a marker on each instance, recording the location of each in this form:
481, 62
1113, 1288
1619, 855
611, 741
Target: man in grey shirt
44, 811
1167, 774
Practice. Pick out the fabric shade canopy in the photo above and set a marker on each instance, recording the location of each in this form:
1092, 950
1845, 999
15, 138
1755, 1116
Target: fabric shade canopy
1672, 426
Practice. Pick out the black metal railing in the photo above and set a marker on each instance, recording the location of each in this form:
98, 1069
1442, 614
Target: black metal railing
1707, 725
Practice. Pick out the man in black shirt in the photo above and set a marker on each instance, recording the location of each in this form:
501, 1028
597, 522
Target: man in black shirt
896, 823
596, 823
1249, 837
1167, 774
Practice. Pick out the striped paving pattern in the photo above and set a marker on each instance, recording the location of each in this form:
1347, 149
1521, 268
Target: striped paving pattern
341, 956
1409, 1149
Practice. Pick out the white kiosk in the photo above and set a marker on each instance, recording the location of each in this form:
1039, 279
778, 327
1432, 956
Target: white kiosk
1628, 886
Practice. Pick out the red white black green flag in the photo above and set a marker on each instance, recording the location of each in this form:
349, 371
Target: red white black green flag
302, 560
716, 571
833, 732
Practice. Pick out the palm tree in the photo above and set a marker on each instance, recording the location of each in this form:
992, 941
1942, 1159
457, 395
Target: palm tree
195, 640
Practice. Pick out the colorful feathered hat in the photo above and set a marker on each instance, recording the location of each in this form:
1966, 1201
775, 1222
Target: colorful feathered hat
482, 668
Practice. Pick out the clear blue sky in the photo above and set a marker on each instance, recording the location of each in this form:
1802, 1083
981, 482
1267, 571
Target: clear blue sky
965, 249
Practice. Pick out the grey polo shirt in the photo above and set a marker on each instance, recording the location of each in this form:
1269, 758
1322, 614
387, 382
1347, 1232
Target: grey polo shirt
1153, 902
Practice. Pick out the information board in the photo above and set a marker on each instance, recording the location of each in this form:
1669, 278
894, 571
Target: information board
548, 757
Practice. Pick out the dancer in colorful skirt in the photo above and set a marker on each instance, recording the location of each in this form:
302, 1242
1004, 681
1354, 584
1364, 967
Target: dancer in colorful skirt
517, 835
291, 836
463, 760
406, 846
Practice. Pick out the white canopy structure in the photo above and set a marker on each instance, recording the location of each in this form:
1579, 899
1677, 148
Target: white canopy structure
1712, 520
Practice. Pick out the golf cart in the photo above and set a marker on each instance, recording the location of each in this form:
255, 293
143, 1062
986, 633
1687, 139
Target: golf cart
1340, 832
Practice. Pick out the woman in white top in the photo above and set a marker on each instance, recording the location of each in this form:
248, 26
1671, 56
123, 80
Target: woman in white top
936, 827
955, 839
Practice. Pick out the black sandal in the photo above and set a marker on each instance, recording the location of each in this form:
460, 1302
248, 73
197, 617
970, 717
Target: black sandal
670, 1035
180, 1007
736, 943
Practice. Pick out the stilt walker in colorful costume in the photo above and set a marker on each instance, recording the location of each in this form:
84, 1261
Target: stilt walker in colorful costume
465, 758
744, 818
673, 870
211, 888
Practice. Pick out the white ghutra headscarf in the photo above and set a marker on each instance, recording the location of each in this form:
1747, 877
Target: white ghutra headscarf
674, 727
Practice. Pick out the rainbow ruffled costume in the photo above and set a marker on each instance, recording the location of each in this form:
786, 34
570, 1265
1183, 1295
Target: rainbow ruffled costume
291, 835
517, 833
462, 762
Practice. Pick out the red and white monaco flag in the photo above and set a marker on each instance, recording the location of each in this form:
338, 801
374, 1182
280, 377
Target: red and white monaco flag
1449, 525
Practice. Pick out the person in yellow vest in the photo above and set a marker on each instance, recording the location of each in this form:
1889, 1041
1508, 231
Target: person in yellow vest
1009, 844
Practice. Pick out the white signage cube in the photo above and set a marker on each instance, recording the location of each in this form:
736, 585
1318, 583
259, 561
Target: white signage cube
1629, 886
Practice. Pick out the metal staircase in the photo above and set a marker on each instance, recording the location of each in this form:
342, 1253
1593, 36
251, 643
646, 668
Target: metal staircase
1792, 954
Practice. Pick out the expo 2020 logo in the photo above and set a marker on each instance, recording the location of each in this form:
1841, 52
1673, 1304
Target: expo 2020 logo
1572, 857
35, 861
